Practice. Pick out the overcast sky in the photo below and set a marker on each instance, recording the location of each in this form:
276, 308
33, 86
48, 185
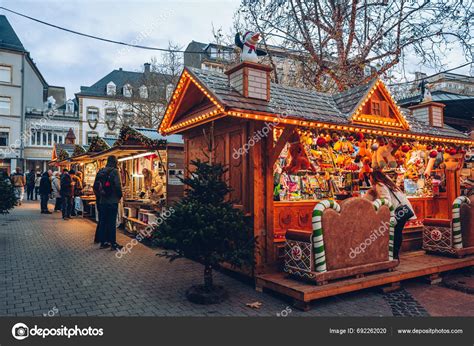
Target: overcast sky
69, 60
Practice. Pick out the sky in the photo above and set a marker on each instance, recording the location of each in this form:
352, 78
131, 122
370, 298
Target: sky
69, 60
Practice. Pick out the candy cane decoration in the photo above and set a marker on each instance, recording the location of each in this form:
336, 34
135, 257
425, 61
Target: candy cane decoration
377, 204
318, 241
457, 236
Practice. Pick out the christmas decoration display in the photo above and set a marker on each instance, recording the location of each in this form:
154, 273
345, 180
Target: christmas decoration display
62, 155
457, 235
78, 150
97, 145
248, 46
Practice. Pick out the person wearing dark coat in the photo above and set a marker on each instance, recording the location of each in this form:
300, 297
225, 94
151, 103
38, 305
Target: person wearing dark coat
67, 194
45, 191
107, 202
30, 185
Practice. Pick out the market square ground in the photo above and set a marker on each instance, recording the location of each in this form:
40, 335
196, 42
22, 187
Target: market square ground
50, 266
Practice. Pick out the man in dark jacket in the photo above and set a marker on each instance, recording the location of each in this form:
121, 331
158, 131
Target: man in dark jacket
45, 191
66, 194
108, 189
30, 184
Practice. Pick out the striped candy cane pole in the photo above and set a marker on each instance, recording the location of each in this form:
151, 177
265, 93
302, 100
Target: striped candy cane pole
457, 235
318, 241
377, 204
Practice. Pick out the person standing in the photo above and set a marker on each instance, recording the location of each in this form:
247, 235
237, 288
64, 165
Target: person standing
384, 187
30, 184
45, 191
37, 185
66, 190
108, 188
56, 187
18, 182
77, 190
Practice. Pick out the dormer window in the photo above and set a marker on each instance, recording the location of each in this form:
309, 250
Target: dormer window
70, 106
127, 90
111, 88
143, 92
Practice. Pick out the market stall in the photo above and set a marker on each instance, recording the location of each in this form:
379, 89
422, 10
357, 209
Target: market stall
150, 167
288, 149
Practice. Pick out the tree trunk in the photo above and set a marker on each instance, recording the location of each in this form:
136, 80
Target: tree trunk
208, 282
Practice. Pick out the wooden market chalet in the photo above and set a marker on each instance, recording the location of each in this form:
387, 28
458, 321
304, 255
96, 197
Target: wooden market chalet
250, 122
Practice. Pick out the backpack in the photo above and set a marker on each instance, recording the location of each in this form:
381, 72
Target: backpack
103, 184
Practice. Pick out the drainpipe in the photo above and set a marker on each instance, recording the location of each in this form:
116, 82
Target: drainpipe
22, 115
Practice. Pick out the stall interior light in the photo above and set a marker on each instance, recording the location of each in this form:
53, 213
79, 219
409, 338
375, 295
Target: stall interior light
135, 156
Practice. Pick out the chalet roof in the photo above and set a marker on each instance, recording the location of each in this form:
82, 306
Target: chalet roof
304, 104
110, 141
154, 135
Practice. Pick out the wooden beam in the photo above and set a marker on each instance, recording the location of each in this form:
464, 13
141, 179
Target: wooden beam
280, 144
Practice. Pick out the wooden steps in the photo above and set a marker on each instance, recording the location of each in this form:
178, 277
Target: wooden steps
412, 265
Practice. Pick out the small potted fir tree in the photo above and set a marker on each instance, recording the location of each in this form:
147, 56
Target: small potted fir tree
205, 227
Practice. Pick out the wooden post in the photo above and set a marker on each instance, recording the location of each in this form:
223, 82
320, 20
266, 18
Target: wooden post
271, 256
453, 189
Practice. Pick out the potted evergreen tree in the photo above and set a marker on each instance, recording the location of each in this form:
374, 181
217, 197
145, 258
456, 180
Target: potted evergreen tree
206, 228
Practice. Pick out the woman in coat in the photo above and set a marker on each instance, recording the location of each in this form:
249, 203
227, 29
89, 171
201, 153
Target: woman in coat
56, 186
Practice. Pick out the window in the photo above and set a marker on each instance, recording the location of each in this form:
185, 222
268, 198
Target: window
127, 90
70, 106
375, 107
90, 136
47, 138
5, 105
5, 74
92, 114
4, 138
111, 89
127, 117
143, 92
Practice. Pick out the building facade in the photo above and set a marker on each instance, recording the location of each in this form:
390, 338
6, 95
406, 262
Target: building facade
121, 98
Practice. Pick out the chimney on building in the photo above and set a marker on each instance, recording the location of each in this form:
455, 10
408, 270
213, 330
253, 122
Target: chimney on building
147, 67
250, 80
431, 113
70, 137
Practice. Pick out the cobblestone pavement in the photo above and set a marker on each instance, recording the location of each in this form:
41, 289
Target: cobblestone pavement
51, 266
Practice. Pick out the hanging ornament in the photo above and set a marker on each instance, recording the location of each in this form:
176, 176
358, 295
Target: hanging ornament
321, 142
374, 146
360, 136
350, 139
433, 153
405, 148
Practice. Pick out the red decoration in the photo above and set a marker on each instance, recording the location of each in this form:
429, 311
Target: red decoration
321, 142
433, 154
405, 148
350, 139
360, 136
452, 151
299, 159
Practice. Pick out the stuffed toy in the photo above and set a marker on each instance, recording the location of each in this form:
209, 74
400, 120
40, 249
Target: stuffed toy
299, 159
384, 157
364, 151
344, 148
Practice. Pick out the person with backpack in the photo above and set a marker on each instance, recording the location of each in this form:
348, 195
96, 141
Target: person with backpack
66, 190
108, 191
45, 191
30, 184
18, 181
384, 187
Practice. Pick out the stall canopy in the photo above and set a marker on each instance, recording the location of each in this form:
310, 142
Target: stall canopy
202, 96
135, 140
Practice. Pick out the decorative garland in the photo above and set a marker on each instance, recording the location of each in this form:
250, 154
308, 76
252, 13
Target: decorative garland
78, 150
457, 235
377, 204
129, 135
318, 241
62, 155
97, 145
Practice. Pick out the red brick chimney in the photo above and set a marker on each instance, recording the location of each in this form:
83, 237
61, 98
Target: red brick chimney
430, 112
251, 80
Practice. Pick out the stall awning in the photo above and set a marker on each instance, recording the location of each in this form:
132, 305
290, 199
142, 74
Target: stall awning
121, 151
